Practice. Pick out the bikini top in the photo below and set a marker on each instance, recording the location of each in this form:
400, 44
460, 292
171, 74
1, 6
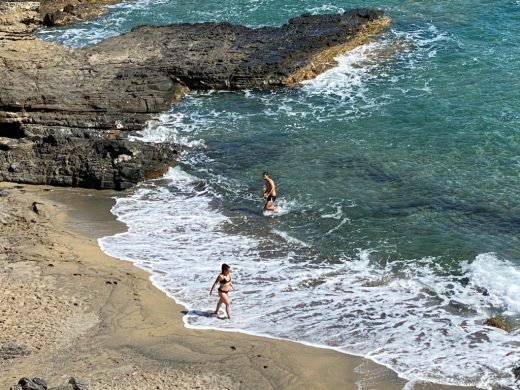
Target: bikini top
224, 281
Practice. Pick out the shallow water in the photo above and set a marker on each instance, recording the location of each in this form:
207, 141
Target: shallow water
397, 173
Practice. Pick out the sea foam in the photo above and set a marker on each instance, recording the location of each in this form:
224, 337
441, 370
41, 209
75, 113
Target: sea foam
500, 279
405, 315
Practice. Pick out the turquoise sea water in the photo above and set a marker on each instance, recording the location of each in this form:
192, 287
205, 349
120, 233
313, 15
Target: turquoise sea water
398, 230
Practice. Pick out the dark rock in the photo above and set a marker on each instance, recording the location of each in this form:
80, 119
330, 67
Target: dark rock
40, 384
15, 168
34, 384
68, 8
74, 158
77, 384
13, 130
516, 372
35, 208
58, 18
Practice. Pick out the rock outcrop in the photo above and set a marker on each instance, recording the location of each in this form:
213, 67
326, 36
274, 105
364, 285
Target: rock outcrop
61, 120
81, 158
32, 384
497, 322
59, 106
62, 12
226, 56
18, 20
40, 384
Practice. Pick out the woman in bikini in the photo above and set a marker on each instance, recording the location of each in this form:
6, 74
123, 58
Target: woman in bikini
224, 278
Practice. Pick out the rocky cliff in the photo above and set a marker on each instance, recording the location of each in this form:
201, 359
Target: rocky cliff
62, 120
64, 113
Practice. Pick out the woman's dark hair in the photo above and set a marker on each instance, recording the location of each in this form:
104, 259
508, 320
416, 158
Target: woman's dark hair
265, 174
225, 267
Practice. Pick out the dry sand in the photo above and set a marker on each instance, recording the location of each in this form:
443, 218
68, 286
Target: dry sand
69, 310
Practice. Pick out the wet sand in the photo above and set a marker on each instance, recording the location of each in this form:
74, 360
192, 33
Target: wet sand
69, 310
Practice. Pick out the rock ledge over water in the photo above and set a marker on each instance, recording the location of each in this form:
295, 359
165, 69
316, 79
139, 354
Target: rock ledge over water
65, 113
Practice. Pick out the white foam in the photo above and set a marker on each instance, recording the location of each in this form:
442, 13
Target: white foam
172, 127
337, 214
406, 315
349, 81
338, 226
326, 8
500, 279
291, 240
180, 178
282, 207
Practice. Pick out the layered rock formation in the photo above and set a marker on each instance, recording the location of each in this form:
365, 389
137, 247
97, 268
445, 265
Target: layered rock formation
18, 20
81, 158
62, 120
62, 12
56, 103
226, 56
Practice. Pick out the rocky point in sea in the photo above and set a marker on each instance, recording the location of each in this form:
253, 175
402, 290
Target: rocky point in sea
66, 114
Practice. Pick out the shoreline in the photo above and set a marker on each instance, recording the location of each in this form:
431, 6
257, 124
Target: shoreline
126, 331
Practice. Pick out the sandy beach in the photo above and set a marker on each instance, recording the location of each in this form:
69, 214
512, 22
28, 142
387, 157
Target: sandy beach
69, 310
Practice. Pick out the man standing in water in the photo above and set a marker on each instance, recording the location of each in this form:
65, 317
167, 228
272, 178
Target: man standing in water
270, 192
